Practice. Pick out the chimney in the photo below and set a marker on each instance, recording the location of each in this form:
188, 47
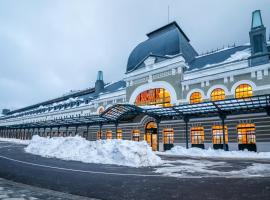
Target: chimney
99, 85
5, 111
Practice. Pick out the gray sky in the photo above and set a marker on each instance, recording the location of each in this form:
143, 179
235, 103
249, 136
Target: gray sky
50, 47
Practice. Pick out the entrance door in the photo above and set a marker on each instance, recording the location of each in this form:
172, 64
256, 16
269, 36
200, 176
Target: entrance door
151, 135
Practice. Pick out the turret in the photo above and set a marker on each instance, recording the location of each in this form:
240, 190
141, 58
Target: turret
257, 34
99, 85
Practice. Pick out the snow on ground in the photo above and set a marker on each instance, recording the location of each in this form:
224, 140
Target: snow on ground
211, 153
13, 140
118, 152
206, 168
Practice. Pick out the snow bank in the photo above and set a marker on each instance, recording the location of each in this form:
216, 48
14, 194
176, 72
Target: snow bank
211, 153
118, 152
16, 141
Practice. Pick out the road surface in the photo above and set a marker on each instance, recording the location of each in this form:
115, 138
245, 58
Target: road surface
119, 182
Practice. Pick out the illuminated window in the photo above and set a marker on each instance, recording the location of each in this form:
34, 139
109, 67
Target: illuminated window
197, 135
158, 96
243, 90
168, 135
101, 110
196, 97
151, 135
136, 135
217, 94
217, 132
99, 135
119, 134
246, 133
108, 134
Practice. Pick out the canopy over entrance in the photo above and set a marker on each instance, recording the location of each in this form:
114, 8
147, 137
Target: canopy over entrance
124, 112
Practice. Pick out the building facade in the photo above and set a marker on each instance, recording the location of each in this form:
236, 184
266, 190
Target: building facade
164, 71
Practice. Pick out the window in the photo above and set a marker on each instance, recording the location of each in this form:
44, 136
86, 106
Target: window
158, 96
168, 135
217, 94
136, 135
119, 134
243, 91
217, 131
196, 97
197, 135
99, 135
108, 134
246, 133
101, 110
258, 43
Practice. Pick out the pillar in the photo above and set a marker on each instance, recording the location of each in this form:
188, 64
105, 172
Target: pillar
116, 126
186, 120
223, 117
157, 121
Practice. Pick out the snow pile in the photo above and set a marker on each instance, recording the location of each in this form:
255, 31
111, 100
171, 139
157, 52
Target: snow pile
206, 168
13, 140
118, 152
211, 153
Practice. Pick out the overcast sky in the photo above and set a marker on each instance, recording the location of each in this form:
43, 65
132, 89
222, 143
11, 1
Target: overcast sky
50, 47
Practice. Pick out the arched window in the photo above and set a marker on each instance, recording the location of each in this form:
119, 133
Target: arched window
157, 96
119, 134
246, 133
195, 97
197, 135
100, 110
136, 135
217, 94
243, 90
108, 134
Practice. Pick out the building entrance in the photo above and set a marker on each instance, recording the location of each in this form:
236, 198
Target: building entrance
151, 135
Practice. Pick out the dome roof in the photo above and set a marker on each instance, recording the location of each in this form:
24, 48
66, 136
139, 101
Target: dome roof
164, 41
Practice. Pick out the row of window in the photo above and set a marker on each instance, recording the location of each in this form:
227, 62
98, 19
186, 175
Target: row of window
245, 133
242, 91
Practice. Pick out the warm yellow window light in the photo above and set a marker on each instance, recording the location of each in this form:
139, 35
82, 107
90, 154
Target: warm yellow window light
119, 134
196, 97
217, 94
246, 133
136, 135
157, 96
109, 134
243, 91
197, 135
217, 131
99, 135
168, 135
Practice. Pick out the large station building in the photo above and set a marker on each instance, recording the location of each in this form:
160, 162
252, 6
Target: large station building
166, 83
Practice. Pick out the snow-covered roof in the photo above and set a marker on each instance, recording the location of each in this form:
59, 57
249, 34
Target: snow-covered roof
79, 96
220, 57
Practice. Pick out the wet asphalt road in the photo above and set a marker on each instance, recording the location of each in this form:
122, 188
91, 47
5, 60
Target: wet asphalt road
10, 190
118, 182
